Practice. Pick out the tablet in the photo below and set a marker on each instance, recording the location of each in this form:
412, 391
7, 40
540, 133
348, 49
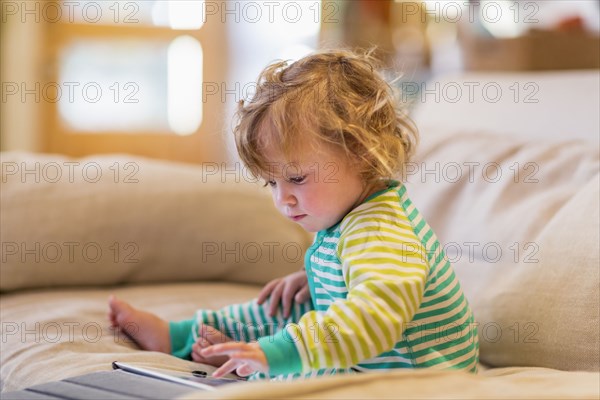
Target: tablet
198, 379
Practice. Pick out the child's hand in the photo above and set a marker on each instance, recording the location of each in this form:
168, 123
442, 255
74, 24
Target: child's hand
208, 336
244, 358
294, 286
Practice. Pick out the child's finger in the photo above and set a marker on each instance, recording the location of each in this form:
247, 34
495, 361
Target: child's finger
220, 349
196, 356
212, 335
245, 363
303, 295
230, 366
286, 300
228, 349
275, 299
245, 370
264, 293
196, 349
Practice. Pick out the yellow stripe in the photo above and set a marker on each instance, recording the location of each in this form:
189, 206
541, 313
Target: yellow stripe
371, 216
353, 353
370, 276
391, 302
398, 232
377, 317
313, 348
405, 254
383, 240
379, 347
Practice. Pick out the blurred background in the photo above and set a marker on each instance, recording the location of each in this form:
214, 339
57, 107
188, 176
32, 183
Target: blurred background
162, 78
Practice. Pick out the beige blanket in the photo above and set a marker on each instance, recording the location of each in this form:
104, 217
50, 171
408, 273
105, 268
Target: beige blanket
503, 383
52, 335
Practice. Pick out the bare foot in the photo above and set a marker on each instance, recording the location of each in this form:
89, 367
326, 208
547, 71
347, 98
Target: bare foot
207, 336
148, 330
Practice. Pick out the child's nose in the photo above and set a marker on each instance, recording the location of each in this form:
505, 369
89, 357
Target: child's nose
286, 198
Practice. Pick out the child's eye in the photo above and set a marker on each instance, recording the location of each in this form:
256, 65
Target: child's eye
297, 179
269, 183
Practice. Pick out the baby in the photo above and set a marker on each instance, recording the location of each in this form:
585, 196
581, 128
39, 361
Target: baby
326, 135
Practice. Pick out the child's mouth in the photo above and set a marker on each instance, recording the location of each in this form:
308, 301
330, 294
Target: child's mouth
298, 217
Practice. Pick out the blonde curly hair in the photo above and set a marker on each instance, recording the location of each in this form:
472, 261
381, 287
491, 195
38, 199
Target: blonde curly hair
335, 97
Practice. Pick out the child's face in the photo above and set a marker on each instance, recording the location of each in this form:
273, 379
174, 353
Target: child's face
316, 189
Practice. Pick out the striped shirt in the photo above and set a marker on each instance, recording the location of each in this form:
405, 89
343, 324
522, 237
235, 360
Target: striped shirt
384, 296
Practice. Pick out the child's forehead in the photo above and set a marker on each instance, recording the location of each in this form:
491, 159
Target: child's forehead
300, 161
295, 151
276, 164
292, 154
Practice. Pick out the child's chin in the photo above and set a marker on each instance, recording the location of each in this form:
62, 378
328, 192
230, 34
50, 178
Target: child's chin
311, 227
307, 227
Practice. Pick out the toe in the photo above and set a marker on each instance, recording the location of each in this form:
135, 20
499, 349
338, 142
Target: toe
121, 311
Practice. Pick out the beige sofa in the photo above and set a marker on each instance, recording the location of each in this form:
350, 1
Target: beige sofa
510, 187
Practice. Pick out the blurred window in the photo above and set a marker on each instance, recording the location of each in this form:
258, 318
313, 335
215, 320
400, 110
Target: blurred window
174, 14
128, 83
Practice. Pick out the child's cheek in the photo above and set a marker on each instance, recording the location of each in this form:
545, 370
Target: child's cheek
314, 197
305, 195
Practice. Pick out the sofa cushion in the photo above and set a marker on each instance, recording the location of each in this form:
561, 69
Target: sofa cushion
545, 313
518, 219
120, 219
489, 196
